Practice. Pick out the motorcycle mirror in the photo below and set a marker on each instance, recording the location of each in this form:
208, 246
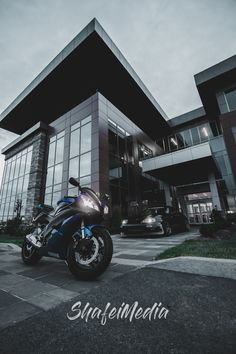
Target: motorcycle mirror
73, 181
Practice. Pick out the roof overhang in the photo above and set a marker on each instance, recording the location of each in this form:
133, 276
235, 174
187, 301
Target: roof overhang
90, 63
214, 79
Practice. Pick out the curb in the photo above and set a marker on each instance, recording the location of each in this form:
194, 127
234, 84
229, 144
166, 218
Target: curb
4, 247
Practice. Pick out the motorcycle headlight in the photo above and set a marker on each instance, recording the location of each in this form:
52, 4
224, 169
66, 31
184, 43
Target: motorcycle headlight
124, 222
148, 220
89, 203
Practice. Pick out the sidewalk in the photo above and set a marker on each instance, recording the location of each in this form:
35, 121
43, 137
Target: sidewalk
214, 267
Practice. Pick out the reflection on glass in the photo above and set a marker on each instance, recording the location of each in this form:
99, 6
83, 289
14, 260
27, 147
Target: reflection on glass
49, 176
85, 138
15, 180
74, 167
51, 155
85, 164
231, 99
59, 150
58, 174
74, 143
195, 135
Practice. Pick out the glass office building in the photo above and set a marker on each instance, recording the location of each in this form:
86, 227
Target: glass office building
88, 115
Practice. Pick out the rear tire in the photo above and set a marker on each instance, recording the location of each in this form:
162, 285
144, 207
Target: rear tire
96, 267
29, 253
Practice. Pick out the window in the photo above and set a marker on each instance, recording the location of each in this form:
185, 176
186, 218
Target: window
15, 183
230, 96
234, 133
195, 135
55, 168
80, 153
205, 132
144, 152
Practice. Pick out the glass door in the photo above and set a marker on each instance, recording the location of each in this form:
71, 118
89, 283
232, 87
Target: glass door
199, 212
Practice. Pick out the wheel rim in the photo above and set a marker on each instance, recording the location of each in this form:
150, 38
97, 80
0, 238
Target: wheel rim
28, 250
91, 256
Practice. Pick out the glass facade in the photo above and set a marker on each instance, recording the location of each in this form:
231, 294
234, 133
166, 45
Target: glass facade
230, 96
121, 170
55, 169
189, 137
15, 184
80, 153
79, 160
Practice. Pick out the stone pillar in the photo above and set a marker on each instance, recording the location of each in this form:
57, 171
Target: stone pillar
214, 191
37, 178
168, 197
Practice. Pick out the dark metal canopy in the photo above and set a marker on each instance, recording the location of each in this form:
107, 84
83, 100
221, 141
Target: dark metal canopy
90, 63
179, 174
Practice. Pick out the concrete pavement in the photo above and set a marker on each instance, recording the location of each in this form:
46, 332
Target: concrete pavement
201, 319
26, 291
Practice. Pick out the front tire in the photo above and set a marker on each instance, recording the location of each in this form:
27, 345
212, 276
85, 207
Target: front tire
90, 266
29, 253
167, 229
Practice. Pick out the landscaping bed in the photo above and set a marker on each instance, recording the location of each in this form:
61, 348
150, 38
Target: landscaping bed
222, 246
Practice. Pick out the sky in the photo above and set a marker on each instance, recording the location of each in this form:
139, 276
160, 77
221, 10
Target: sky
165, 41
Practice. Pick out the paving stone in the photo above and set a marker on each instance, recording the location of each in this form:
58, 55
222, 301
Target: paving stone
63, 294
30, 288
7, 299
7, 282
45, 301
57, 278
81, 286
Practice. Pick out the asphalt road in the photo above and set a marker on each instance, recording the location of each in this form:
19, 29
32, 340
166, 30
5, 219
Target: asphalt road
201, 318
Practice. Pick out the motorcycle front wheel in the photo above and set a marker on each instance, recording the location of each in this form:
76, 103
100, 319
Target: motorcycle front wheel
88, 258
29, 253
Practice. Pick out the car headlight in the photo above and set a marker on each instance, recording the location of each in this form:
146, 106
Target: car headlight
106, 209
124, 222
89, 203
148, 220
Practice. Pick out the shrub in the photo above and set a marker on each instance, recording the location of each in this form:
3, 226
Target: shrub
208, 230
12, 226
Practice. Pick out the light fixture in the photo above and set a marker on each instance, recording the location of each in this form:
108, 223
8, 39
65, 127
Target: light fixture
173, 141
205, 132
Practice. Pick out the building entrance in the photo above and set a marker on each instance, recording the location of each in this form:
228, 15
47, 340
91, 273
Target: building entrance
199, 209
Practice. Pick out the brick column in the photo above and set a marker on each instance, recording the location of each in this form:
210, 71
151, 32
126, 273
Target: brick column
37, 178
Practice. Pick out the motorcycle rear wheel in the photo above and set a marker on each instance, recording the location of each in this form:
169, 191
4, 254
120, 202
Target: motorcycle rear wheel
90, 270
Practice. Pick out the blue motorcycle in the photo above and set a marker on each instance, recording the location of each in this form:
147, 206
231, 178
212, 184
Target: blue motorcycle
72, 232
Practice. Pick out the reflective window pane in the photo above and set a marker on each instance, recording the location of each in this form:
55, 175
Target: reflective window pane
205, 132
51, 154
85, 164
58, 174
74, 167
85, 138
22, 166
50, 176
86, 120
231, 99
195, 135
59, 150
74, 143
48, 199
26, 183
